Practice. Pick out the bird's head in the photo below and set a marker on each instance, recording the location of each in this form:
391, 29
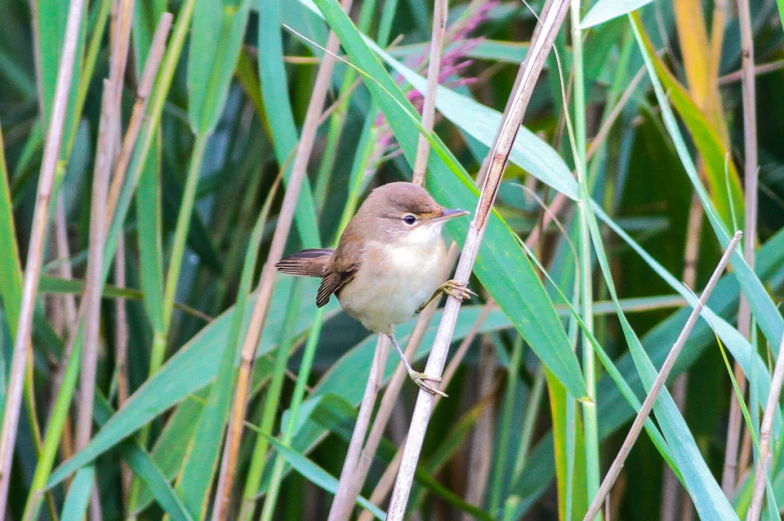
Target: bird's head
406, 212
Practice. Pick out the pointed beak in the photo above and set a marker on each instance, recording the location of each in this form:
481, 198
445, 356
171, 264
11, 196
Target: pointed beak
449, 214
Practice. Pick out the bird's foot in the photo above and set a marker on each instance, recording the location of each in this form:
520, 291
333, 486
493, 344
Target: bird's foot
421, 380
456, 289
452, 288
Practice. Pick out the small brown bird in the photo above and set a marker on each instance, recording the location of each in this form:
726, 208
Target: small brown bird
387, 264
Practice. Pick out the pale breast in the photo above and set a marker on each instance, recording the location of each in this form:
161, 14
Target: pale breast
392, 283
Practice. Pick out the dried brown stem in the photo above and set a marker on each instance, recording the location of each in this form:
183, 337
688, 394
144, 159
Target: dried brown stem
541, 43
266, 283
93, 285
344, 501
658, 384
352, 486
36, 248
758, 70
387, 480
481, 454
121, 352
352, 478
670, 506
750, 185
763, 460
157, 49
440, 11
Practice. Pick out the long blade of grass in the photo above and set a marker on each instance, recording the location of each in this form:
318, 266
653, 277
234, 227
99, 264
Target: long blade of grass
36, 247
499, 266
274, 93
768, 317
194, 366
200, 466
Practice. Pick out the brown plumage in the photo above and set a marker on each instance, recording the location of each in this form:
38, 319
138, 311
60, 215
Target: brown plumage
388, 263
337, 267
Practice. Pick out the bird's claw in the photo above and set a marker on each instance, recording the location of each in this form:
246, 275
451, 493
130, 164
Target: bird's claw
457, 290
421, 380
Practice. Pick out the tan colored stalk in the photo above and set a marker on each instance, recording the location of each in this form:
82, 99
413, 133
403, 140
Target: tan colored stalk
554, 12
750, 181
440, 11
68, 316
671, 509
267, 280
344, 501
352, 478
387, 480
758, 71
157, 49
763, 461
93, 284
658, 384
360, 467
481, 452
121, 354
104, 159
36, 248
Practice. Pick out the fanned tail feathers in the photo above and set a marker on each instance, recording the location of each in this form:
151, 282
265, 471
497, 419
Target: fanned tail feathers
308, 263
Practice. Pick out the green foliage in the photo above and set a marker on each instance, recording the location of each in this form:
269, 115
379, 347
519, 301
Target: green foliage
202, 198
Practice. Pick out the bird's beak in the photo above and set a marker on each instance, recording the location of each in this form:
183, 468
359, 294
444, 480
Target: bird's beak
449, 214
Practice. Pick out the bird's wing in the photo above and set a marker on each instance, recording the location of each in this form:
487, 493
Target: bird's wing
310, 263
342, 267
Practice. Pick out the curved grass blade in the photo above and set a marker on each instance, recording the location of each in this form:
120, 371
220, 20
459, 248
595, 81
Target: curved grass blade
317, 475
280, 117
501, 264
764, 310
75, 506
217, 33
188, 371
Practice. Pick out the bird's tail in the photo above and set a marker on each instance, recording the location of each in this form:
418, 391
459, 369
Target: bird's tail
308, 263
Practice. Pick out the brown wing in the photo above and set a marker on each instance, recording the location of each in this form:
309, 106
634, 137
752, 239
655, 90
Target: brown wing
309, 263
342, 267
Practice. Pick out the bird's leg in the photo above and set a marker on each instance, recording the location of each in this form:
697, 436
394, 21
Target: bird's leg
452, 288
417, 377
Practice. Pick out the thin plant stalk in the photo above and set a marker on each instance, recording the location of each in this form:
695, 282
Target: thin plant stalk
121, 353
350, 480
93, 284
271, 400
529, 423
264, 293
658, 384
288, 434
750, 176
553, 14
385, 483
63, 392
178, 250
36, 247
337, 119
590, 421
139, 109
670, 509
440, 13
764, 457
109, 125
505, 427
344, 501
87, 68
481, 456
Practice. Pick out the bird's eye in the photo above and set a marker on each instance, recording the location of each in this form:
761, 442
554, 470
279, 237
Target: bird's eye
409, 219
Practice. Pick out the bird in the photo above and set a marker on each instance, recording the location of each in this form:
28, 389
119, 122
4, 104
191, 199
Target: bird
387, 264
